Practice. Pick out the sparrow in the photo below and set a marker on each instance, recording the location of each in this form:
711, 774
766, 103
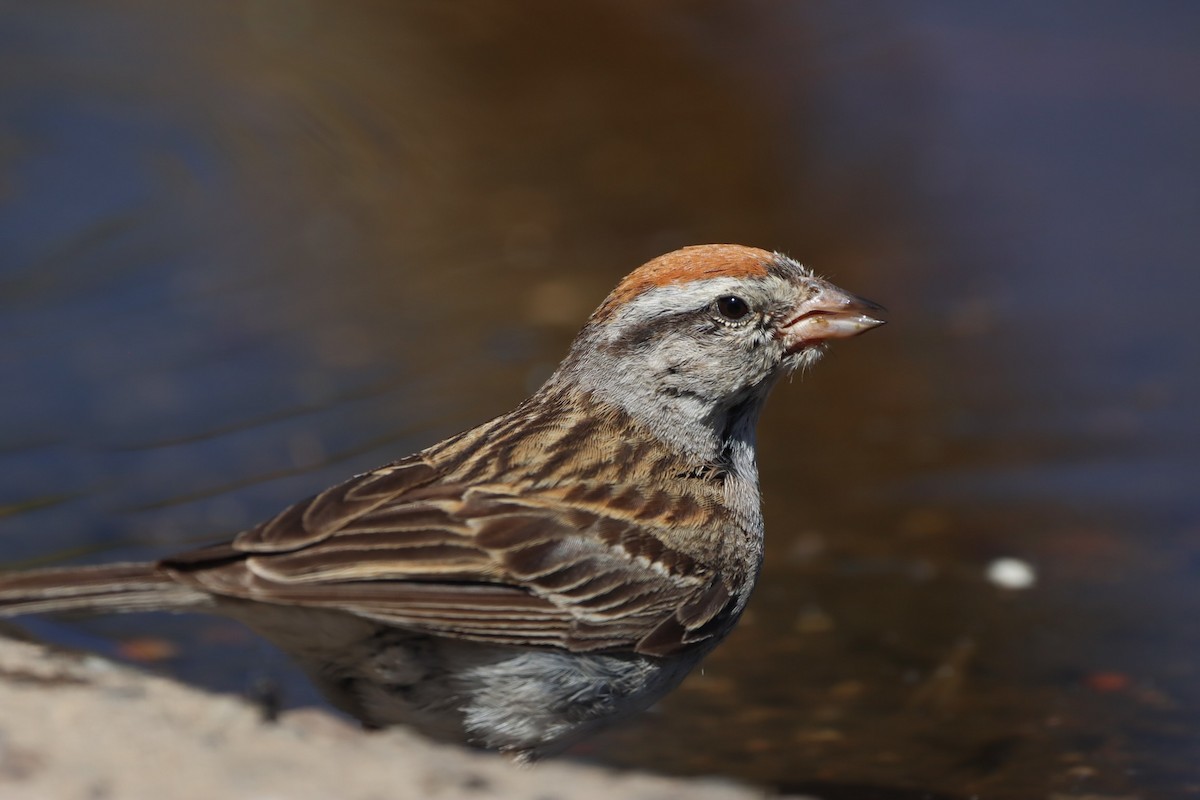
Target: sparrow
561, 567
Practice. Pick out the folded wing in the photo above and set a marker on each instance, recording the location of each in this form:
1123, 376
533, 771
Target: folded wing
404, 547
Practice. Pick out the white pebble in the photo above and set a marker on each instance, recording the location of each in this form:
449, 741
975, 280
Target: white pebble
1011, 573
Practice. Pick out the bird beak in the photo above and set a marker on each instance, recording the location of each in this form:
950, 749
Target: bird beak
829, 313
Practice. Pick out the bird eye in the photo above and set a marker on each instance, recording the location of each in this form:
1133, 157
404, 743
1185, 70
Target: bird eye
732, 307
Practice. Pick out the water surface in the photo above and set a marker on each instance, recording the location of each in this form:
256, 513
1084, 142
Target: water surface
250, 250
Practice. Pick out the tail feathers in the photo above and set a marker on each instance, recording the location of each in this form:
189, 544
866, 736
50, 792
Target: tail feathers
102, 589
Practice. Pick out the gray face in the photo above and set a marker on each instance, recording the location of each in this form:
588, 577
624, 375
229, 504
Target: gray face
695, 359
717, 340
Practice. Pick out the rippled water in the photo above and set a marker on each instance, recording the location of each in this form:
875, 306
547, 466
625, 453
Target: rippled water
249, 250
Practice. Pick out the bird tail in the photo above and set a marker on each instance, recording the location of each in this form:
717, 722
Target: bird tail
109, 588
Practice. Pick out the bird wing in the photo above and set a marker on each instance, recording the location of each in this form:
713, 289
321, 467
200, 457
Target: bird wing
576, 566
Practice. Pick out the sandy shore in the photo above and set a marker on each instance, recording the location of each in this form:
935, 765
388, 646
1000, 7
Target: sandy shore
78, 726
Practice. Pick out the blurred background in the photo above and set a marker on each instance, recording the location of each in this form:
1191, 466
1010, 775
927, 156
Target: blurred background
248, 249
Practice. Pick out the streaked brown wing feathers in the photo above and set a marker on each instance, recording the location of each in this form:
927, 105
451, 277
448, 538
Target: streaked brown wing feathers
332, 510
541, 568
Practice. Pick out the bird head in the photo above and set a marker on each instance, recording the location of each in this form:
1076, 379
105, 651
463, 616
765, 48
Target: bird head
700, 334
